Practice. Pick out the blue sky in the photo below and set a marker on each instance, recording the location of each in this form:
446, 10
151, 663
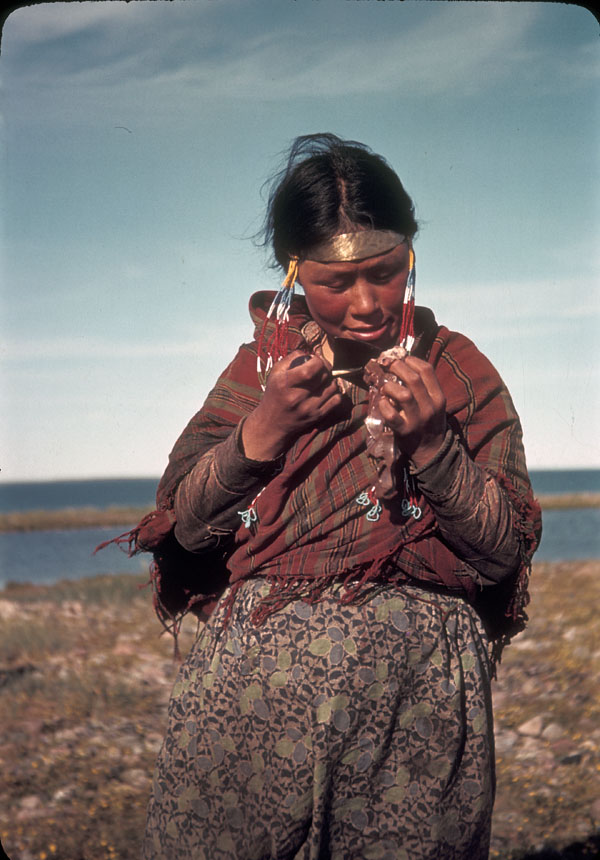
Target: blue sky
136, 138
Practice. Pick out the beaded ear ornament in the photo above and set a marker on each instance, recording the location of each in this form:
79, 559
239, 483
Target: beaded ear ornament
407, 331
382, 445
270, 350
407, 340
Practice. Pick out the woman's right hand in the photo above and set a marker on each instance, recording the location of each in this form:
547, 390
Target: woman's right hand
297, 397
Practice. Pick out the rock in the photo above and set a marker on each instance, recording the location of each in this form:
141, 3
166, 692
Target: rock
529, 687
8, 609
72, 608
153, 741
32, 801
563, 747
505, 740
530, 748
572, 758
553, 732
124, 649
532, 728
64, 793
136, 778
70, 735
500, 698
524, 645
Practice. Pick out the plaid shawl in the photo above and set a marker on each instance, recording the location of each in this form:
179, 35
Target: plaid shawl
311, 531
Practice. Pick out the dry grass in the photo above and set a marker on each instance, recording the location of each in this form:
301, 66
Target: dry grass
549, 780
70, 518
85, 677
563, 501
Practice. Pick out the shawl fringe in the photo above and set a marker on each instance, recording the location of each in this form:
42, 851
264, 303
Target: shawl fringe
181, 581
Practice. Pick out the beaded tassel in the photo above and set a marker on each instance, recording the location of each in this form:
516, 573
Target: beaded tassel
407, 339
407, 331
276, 347
409, 505
407, 335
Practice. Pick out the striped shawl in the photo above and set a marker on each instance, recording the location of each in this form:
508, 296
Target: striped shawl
311, 531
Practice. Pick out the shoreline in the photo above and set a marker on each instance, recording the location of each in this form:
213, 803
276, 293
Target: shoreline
127, 517
72, 518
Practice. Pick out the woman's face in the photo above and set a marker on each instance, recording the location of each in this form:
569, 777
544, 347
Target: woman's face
359, 300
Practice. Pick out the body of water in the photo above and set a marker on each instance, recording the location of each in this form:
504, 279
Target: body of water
54, 495
47, 556
556, 481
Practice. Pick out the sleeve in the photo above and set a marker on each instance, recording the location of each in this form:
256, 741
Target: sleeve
209, 499
477, 484
473, 514
209, 480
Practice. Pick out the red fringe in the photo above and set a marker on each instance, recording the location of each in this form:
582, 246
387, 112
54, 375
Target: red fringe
310, 589
146, 536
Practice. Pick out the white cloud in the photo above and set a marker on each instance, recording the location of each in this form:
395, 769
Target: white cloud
454, 48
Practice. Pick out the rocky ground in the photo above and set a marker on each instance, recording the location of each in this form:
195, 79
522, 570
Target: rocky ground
547, 709
85, 678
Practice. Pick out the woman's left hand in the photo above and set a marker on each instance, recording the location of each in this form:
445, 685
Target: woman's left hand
415, 409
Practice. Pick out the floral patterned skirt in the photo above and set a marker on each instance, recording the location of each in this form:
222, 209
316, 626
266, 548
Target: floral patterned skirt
331, 731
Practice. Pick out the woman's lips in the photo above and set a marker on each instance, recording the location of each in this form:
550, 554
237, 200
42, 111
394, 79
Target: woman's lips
368, 332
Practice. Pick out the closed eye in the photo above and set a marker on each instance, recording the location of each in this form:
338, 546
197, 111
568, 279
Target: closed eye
383, 275
336, 286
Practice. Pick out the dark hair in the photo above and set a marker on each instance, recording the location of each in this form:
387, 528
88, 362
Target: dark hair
329, 184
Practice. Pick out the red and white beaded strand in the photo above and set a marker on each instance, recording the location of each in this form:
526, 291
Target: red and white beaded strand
276, 347
369, 498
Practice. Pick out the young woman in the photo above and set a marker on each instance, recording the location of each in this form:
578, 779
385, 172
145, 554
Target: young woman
377, 528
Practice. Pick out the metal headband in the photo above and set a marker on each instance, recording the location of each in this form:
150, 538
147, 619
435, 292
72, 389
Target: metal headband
354, 246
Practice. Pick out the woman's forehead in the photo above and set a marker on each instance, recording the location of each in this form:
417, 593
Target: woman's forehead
354, 247
391, 255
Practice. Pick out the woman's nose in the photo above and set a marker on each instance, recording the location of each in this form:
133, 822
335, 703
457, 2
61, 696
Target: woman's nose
363, 301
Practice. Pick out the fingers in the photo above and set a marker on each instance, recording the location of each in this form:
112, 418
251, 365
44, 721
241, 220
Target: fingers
418, 376
419, 387
302, 375
415, 406
394, 416
302, 387
307, 371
